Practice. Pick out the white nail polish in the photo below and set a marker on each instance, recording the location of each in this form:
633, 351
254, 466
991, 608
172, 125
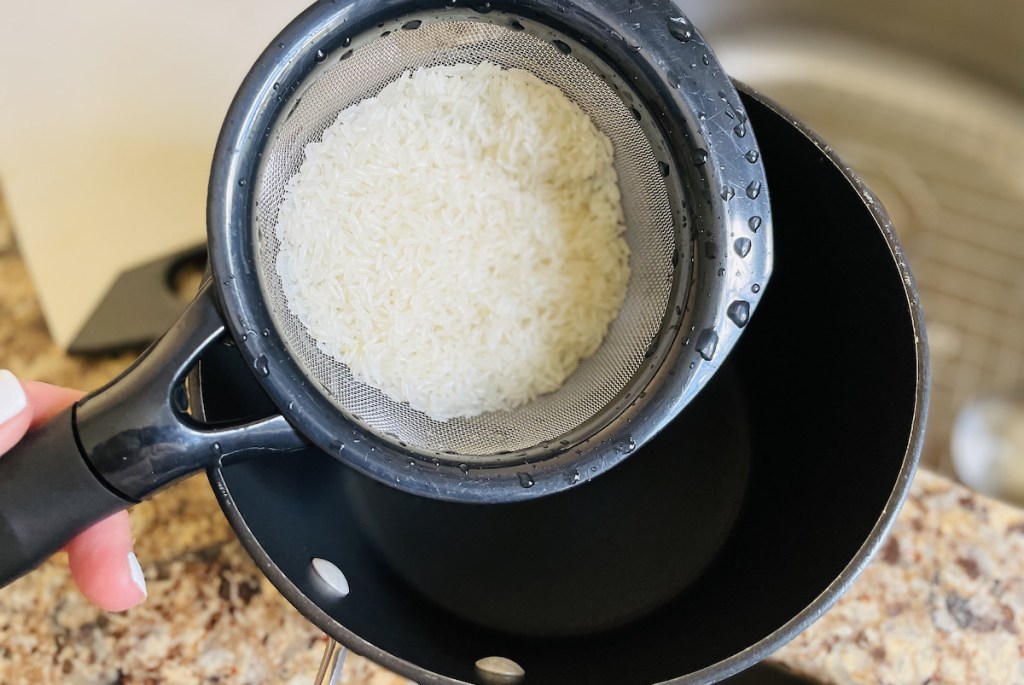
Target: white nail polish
136, 570
12, 396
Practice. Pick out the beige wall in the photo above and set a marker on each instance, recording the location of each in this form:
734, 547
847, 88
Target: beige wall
108, 118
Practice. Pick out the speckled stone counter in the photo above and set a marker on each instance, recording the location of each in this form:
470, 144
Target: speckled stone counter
942, 603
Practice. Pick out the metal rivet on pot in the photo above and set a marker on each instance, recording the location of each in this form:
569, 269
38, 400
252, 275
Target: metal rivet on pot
498, 669
331, 575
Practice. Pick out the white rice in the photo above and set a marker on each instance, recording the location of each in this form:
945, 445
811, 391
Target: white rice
457, 241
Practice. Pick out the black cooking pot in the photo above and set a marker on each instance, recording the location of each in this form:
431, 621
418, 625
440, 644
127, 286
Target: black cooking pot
714, 545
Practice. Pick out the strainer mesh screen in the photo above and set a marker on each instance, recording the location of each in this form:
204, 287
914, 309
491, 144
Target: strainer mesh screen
645, 201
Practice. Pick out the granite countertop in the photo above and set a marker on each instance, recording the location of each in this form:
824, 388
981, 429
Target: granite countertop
942, 603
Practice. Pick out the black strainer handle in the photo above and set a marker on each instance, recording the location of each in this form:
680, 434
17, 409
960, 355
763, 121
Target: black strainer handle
119, 445
48, 494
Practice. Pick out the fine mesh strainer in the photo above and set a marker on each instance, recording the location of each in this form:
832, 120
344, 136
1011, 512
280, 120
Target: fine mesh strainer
697, 218
698, 227
650, 233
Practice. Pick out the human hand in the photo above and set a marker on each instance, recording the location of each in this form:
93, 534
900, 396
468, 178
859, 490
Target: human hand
102, 562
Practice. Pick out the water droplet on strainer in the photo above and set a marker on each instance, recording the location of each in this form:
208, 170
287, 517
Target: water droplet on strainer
752, 156
412, 25
320, 56
525, 479
756, 288
740, 129
700, 156
630, 445
216, 449
575, 478
680, 29
754, 189
728, 193
632, 47
742, 246
261, 365
707, 343
276, 86
482, 7
755, 223
464, 468
704, 59
241, 183
739, 312
346, 42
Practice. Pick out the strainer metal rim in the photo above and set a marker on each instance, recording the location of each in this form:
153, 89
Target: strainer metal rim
726, 189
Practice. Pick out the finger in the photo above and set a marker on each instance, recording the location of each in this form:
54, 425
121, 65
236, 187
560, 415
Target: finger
48, 400
15, 412
27, 404
105, 567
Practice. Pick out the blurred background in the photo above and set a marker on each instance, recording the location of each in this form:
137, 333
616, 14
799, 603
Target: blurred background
112, 109
925, 100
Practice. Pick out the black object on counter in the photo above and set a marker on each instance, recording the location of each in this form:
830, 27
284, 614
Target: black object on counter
139, 307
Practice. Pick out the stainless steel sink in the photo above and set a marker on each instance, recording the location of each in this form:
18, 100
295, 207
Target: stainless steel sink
925, 100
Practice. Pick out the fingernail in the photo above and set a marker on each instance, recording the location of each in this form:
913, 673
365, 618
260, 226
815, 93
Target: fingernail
136, 570
12, 396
